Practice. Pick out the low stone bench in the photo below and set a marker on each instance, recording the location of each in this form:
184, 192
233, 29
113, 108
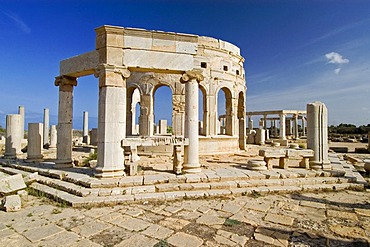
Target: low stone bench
270, 154
284, 154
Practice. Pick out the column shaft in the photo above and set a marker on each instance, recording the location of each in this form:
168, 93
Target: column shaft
13, 136
35, 137
85, 127
282, 135
46, 127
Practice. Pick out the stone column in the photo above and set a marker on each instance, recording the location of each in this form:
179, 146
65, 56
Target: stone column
35, 137
65, 113
46, 127
303, 126
94, 137
162, 127
191, 151
368, 144
178, 114
111, 120
13, 136
296, 135
146, 119
21, 112
265, 122
317, 135
282, 135
85, 130
250, 123
53, 137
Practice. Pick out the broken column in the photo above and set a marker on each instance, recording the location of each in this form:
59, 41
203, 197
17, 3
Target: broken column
191, 151
65, 115
85, 130
21, 112
296, 134
46, 127
94, 137
35, 137
317, 135
53, 137
13, 136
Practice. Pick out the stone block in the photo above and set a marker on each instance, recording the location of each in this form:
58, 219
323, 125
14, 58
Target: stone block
11, 184
12, 203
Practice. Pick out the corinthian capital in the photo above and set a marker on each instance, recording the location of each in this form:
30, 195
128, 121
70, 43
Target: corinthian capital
192, 75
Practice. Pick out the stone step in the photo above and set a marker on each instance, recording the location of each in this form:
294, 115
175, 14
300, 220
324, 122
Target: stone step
109, 200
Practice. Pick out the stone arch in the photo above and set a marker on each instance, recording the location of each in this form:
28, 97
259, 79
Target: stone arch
226, 123
133, 97
157, 87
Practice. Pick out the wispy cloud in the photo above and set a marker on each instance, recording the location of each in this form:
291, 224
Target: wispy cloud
18, 22
336, 58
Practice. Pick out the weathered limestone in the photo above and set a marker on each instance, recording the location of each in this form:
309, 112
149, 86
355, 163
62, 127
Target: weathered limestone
162, 127
65, 113
296, 135
21, 112
35, 137
317, 135
13, 136
11, 203
260, 137
94, 137
46, 127
11, 184
111, 127
282, 135
85, 130
191, 151
53, 137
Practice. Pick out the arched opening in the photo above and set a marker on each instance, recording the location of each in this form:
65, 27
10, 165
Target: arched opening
202, 112
162, 97
224, 110
133, 111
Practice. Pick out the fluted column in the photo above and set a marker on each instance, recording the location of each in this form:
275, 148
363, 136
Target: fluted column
296, 136
191, 151
46, 127
65, 115
282, 135
111, 120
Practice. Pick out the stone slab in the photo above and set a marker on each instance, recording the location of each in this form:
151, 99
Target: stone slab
181, 239
11, 184
38, 233
12, 203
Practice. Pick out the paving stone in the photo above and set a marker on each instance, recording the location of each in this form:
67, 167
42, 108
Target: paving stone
134, 224
348, 231
174, 223
258, 206
181, 239
137, 240
67, 238
210, 220
223, 241
263, 238
363, 212
36, 234
15, 240
341, 214
158, 232
134, 212
90, 228
4, 233
172, 209
240, 240
312, 204
279, 219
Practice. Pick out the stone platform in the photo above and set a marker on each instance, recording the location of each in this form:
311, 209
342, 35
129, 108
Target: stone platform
78, 188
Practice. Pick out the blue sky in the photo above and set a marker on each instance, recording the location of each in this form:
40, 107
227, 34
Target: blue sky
296, 52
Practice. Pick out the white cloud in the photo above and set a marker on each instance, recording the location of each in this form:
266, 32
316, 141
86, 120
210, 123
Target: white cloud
336, 71
336, 58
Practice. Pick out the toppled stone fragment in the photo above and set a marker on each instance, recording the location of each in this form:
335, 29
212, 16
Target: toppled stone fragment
11, 203
11, 184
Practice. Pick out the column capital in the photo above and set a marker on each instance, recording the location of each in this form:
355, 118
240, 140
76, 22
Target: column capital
192, 75
111, 75
64, 80
104, 68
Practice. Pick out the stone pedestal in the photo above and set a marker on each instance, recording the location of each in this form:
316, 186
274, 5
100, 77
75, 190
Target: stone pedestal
65, 113
85, 131
13, 136
35, 137
94, 137
260, 136
53, 137
317, 135
191, 151
46, 127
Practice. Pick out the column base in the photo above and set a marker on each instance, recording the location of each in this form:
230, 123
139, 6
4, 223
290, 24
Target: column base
63, 164
191, 168
107, 173
35, 158
320, 166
